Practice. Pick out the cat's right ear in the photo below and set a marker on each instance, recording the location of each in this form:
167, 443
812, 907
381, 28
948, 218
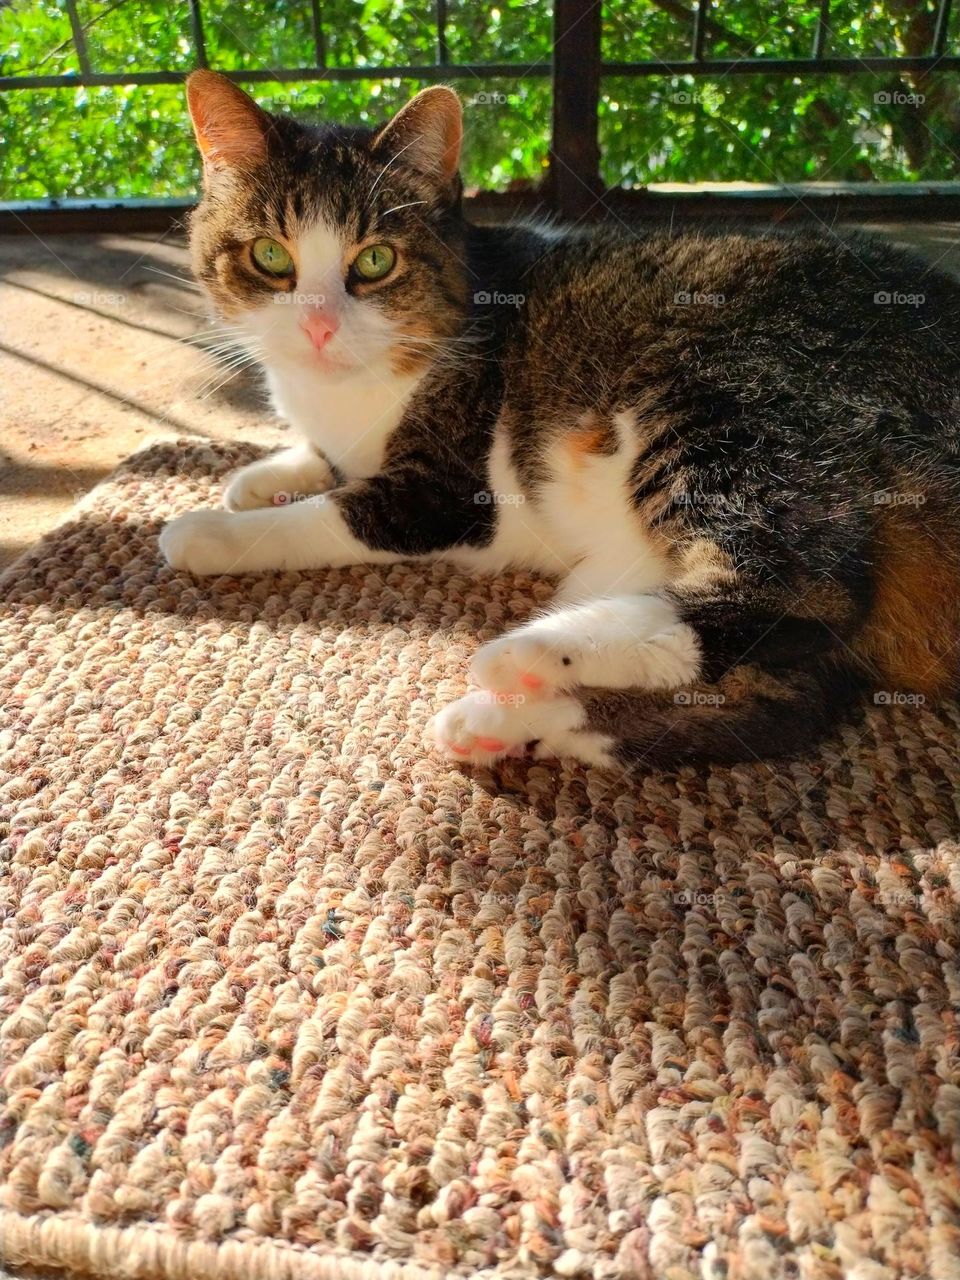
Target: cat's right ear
231, 129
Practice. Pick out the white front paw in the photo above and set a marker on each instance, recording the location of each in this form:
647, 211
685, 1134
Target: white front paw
277, 481
529, 664
200, 542
630, 642
252, 487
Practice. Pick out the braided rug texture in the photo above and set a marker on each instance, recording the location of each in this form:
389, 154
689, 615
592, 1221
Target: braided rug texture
284, 996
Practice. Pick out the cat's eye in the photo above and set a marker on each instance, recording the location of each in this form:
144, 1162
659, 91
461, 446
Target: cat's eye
272, 257
375, 262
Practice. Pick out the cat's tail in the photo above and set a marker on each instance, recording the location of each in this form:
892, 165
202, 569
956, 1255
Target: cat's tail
747, 714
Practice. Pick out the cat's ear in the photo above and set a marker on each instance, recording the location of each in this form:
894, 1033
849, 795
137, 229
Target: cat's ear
429, 132
231, 129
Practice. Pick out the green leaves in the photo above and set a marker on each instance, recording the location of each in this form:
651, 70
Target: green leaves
136, 140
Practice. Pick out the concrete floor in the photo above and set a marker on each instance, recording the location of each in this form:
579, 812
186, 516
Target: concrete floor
96, 359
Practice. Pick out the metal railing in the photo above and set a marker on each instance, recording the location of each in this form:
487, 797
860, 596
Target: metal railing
573, 185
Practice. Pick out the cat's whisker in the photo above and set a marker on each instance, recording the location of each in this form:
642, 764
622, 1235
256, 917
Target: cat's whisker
231, 356
221, 346
197, 339
229, 338
227, 344
205, 391
228, 355
409, 205
182, 311
184, 280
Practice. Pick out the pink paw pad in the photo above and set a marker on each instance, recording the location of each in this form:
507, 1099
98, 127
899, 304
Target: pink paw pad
530, 681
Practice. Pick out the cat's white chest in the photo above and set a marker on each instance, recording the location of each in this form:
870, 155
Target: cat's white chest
348, 419
579, 522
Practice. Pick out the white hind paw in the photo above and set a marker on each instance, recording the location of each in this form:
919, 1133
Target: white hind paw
479, 727
483, 726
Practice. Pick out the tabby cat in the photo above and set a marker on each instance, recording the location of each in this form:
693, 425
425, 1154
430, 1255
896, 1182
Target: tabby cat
738, 451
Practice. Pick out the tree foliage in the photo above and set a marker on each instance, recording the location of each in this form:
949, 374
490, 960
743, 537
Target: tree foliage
136, 141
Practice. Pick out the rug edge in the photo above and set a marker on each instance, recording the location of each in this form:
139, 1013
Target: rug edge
77, 508
148, 1252
175, 445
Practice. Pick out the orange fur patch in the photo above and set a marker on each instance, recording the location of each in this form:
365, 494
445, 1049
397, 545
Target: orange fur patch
912, 636
593, 436
404, 360
700, 566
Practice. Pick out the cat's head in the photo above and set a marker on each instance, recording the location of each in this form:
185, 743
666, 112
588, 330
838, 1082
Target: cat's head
333, 248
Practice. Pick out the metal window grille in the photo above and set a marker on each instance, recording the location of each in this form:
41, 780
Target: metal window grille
573, 185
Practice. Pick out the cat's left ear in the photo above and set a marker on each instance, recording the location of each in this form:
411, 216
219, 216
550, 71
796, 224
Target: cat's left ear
429, 132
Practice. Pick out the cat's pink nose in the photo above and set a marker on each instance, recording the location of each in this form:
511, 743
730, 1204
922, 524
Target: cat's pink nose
319, 326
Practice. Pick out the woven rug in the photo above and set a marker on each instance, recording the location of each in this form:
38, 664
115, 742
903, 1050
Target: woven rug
287, 997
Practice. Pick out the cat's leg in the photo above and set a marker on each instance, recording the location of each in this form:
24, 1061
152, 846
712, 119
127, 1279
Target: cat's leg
282, 478
620, 642
741, 673
406, 513
748, 714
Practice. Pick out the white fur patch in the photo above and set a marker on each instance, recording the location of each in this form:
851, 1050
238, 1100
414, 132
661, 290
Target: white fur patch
579, 524
589, 513
521, 538
305, 535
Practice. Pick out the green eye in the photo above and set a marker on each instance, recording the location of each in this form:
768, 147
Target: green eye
374, 262
272, 257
